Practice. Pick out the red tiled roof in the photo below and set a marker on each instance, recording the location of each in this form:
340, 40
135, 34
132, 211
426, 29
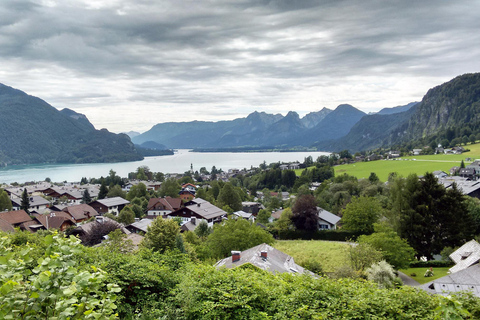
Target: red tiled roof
15, 217
6, 226
81, 211
54, 222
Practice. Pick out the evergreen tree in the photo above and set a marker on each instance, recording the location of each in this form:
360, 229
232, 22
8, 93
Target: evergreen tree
373, 177
103, 190
86, 198
25, 203
435, 217
462, 164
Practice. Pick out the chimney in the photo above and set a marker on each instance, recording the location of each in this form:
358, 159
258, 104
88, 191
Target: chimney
263, 254
235, 256
99, 219
198, 204
194, 221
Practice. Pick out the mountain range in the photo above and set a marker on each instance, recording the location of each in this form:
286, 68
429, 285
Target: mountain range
447, 107
32, 131
260, 129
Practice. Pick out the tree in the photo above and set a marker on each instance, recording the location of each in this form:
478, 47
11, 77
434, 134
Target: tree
434, 218
263, 216
305, 214
285, 222
362, 256
203, 230
462, 164
126, 216
25, 202
116, 191
102, 193
137, 191
235, 235
373, 177
161, 235
360, 214
5, 202
86, 198
170, 187
141, 174
229, 197
98, 231
159, 176
395, 251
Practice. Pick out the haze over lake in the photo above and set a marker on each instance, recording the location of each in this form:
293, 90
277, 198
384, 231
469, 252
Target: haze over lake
177, 163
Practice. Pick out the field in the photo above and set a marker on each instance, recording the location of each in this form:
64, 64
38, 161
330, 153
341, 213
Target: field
329, 254
407, 165
437, 273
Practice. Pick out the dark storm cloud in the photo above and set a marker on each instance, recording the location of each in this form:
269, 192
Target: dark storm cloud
235, 56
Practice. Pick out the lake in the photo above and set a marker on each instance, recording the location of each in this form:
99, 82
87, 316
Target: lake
177, 163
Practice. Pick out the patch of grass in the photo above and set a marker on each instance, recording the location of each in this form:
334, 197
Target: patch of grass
329, 254
410, 164
437, 273
383, 168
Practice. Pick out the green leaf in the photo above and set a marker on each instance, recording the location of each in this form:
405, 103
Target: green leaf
49, 240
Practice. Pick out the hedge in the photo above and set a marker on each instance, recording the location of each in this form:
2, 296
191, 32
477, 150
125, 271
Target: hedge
431, 263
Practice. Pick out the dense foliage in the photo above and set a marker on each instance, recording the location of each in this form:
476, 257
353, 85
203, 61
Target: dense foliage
150, 285
56, 286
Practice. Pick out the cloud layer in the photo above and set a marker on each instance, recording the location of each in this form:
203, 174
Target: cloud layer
129, 64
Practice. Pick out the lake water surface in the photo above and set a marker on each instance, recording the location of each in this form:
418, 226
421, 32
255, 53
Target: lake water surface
177, 163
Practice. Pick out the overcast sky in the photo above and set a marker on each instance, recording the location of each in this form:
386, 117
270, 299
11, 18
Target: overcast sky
129, 64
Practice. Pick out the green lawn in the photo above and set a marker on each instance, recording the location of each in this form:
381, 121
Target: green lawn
407, 165
329, 254
437, 273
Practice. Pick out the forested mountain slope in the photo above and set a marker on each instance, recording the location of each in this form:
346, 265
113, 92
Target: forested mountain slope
32, 131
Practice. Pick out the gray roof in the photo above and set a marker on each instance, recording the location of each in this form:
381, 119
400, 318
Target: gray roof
142, 224
464, 185
465, 256
243, 214
464, 280
276, 261
189, 226
33, 201
115, 201
328, 216
204, 209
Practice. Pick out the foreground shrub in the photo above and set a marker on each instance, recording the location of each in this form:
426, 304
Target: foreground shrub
56, 288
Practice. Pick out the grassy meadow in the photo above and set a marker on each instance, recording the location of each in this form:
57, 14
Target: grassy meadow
407, 165
437, 273
329, 254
